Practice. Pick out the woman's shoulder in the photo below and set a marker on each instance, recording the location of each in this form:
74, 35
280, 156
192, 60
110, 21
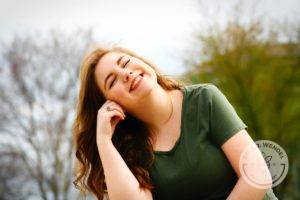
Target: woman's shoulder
202, 90
199, 86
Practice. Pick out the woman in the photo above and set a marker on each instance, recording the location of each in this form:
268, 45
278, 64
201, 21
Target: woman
141, 135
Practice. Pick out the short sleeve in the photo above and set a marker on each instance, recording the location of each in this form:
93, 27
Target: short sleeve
224, 122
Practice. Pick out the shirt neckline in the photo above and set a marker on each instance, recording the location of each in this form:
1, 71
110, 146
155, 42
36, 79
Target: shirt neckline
181, 128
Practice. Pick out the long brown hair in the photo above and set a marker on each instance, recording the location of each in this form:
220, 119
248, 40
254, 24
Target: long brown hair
131, 137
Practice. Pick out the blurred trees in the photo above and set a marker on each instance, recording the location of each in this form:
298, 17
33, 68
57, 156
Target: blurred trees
38, 91
258, 69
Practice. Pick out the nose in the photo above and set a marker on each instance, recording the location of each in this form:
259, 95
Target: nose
127, 75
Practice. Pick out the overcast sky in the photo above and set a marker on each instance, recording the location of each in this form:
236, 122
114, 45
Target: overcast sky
158, 29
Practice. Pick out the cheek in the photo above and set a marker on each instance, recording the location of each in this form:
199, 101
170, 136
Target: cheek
151, 72
118, 93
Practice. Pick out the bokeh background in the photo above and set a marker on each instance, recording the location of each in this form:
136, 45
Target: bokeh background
250, 49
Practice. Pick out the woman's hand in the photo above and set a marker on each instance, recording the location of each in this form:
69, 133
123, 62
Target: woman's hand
107, 119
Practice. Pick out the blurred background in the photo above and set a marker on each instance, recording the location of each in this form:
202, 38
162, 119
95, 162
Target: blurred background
250, 49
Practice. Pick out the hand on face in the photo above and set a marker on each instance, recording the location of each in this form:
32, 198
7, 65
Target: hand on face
109, 115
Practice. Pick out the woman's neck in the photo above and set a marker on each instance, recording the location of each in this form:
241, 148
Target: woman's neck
156, 110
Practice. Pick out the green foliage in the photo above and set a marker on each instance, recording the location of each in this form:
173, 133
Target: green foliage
258, 71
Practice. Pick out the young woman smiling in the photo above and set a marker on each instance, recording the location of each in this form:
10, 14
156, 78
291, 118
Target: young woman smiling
141, 135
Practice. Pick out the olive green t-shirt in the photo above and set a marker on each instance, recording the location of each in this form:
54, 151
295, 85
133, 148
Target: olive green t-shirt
196, 167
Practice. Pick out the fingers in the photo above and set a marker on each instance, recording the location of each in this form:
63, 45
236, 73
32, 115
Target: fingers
116, 112
114, 106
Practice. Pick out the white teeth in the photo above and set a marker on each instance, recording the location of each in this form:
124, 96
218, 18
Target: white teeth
135, 82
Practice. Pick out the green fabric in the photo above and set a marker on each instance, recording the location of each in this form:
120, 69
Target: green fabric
196, 167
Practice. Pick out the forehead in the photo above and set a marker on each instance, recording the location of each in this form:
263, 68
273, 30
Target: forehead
105, 66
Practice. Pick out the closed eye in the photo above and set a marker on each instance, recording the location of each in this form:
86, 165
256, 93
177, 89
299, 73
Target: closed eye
113, 82
126, 63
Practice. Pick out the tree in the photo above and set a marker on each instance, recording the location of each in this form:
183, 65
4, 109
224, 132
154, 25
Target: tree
38, 91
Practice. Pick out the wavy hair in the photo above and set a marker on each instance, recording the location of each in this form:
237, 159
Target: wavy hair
131, 137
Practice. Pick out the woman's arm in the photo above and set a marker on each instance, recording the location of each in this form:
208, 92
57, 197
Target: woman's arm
242, 190
121, 183
233, 149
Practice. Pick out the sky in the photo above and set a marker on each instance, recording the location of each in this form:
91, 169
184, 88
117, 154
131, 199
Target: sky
160, 30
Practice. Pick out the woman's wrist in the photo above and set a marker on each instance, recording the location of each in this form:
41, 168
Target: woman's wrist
103, 140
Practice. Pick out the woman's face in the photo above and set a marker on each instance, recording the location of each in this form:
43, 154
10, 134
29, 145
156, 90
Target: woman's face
124, 79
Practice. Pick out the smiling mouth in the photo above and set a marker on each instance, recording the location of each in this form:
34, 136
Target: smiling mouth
136, 82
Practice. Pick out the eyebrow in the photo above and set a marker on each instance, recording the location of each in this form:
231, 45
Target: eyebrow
110, 74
